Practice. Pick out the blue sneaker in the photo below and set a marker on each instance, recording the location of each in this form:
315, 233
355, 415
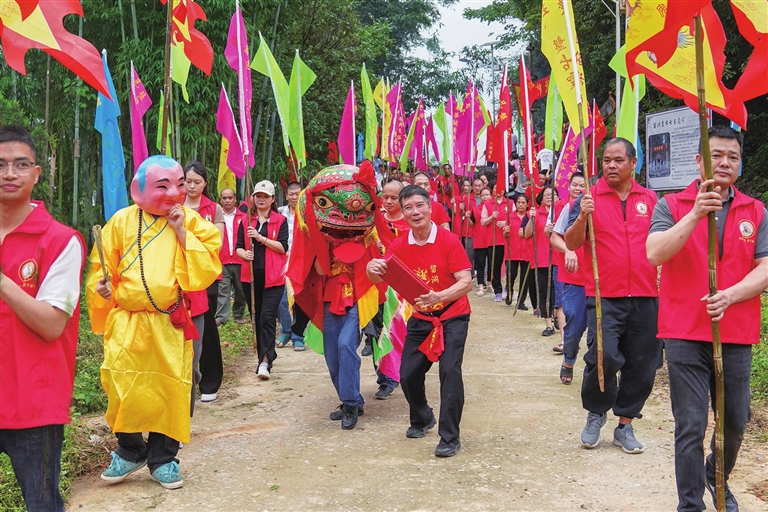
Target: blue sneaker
120, 468
168, 475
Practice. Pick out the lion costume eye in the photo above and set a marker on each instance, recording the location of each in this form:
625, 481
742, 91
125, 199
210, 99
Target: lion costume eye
370, 207
323, 202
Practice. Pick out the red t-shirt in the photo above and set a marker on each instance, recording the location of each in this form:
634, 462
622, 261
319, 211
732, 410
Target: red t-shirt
435, 263
439, 215
399, 226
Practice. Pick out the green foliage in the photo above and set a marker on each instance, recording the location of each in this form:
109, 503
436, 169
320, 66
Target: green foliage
759, 382
88, 395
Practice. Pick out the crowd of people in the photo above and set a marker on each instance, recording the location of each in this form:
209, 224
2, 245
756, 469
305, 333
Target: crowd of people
175, 266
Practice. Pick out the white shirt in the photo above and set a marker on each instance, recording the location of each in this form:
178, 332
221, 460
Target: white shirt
61, 286
430, 239
286, 211
229, 225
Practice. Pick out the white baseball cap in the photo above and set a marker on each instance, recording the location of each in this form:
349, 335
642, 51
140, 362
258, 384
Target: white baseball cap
265, 187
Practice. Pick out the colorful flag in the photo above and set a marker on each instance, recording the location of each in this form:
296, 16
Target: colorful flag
677, 76
503, 134
422, 160
628, 117
431, 139
560, 45
752, 20
238, 58
568, 163
539, 89
468, 122
27, 24
159, 138
553, 123
231, 145
599, 132
347, 137
397, 134
386, 118
115, 192
531, 165
379, 93
444, 125
371, 118
196, 47
302, 79
180, 65
264, 62
140, 103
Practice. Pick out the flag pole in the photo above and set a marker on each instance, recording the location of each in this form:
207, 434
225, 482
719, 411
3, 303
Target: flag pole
717, 348
590, 223
505, 162
167, 84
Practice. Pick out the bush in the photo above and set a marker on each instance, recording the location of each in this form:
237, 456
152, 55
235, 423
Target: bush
759, 381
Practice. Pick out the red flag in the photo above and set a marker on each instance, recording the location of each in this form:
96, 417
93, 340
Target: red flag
531, 166
598, 134
27, 24
539, 90
197, 47
502, 134
431, 140
751, 23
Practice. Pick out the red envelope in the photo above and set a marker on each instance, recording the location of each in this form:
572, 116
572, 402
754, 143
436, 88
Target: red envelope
403, 280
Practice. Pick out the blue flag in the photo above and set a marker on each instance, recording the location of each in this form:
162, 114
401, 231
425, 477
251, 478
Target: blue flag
640, 155
112, 159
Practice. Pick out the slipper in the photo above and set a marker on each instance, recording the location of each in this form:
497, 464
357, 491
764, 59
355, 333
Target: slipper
566, 374
558, 348
298, 346
283, 340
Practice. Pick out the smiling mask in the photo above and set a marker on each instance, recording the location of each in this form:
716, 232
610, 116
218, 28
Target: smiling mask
158, 185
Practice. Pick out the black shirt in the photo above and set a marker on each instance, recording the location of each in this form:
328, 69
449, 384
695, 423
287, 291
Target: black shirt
259, 250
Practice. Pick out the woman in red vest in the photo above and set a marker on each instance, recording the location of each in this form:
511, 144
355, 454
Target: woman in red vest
516, 251
208, 369
480, 242
462, 225
542, 258
268, 234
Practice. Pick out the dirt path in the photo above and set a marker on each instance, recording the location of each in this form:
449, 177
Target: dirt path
269, 445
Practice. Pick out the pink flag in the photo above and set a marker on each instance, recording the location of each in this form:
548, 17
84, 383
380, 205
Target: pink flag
347, 140
408, 123
237, 56
569, 159
225, 125
397, 131
140, 103
467, 122
419, 139
431, 140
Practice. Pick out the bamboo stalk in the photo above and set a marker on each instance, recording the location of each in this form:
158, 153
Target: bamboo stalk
167, 83
254, 327
717, 348
100, 251
508, 299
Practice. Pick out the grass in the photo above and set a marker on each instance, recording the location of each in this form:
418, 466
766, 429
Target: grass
759, 381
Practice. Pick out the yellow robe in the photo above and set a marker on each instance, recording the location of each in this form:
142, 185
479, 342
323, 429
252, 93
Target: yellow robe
147, 369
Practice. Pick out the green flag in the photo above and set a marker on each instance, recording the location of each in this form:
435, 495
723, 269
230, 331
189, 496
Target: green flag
439, 119
486, 115
160, 129
371, 119
265, 63
553, 124
301, 79
408, 142
180, 65
628, 116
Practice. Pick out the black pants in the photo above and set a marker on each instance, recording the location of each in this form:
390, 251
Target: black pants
495, 259
266, 304
481, 257
300, 321
542, 279
211, 365
35, 455
415, 366
527, 284
159, 449
630, 346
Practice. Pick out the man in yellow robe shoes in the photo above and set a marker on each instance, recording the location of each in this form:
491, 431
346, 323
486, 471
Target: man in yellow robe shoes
153, 252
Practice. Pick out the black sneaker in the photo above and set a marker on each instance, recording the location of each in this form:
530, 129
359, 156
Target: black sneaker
349, 418
522, 307
384, 392
367, 349
339, 413
418, 432
548, 332
730, 500
444, 449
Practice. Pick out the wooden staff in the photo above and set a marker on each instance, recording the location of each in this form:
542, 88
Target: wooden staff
549, 265
249, 189
100, 250
508, 299
167, 91
717, 347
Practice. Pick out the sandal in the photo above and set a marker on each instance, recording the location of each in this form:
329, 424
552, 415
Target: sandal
283, 340
558, 349
298, 346
566, 374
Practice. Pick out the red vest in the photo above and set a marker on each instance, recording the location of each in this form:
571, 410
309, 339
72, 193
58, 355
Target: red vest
199, 298
584, 272
542, 242
463, 229
224, 255
685, 278
518, 247
490, 207
622, 262
37, 375
558, 258
274, 263
481, 234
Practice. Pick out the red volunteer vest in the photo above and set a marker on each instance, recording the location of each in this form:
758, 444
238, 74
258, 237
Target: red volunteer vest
199, 299
481, 234
558, 258
490, 207
622, 262
685, 279
584, 272
274, 263
37, 375
463, 229
518, 247
542, 242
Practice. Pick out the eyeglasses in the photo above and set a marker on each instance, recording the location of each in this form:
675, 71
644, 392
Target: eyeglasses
20, 167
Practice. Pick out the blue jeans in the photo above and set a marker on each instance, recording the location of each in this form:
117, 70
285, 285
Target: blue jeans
284, 315
575, 311
35, 455
341, 337
691, 382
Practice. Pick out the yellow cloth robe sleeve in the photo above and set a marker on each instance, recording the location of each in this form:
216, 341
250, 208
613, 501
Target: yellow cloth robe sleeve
147, 369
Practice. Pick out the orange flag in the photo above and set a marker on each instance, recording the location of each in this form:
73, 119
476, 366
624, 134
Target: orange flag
27, 24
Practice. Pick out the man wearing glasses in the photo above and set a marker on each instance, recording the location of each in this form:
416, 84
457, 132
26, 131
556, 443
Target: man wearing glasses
39, 314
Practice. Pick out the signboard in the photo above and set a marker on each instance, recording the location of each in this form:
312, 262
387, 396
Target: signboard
671, 143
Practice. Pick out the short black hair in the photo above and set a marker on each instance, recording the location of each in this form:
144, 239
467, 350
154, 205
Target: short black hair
413, 190
540, 196
293, 184
16, 133
576, 175
725, 132
521, 194
200, 169
628, 146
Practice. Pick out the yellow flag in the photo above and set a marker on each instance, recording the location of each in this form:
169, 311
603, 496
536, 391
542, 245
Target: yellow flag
378, 94
226, 176
559, 43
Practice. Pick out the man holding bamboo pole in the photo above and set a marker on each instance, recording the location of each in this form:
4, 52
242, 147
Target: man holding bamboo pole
621, 210
678, 242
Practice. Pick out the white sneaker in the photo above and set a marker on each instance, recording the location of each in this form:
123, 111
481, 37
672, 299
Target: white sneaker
263, 372
208, 397
480, 291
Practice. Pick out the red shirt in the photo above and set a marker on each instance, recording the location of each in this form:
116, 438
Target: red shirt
542, 242
481, 234
558, 258
462, 227
685, 278
495, 233
435, 263
439, 215
399, 226
37, 375
518, 247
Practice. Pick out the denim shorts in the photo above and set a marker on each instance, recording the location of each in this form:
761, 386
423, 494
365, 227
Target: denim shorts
558, 288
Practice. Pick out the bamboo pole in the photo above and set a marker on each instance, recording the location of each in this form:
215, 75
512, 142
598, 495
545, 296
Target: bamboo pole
590, 221
167, 77
508, 299
717, 348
